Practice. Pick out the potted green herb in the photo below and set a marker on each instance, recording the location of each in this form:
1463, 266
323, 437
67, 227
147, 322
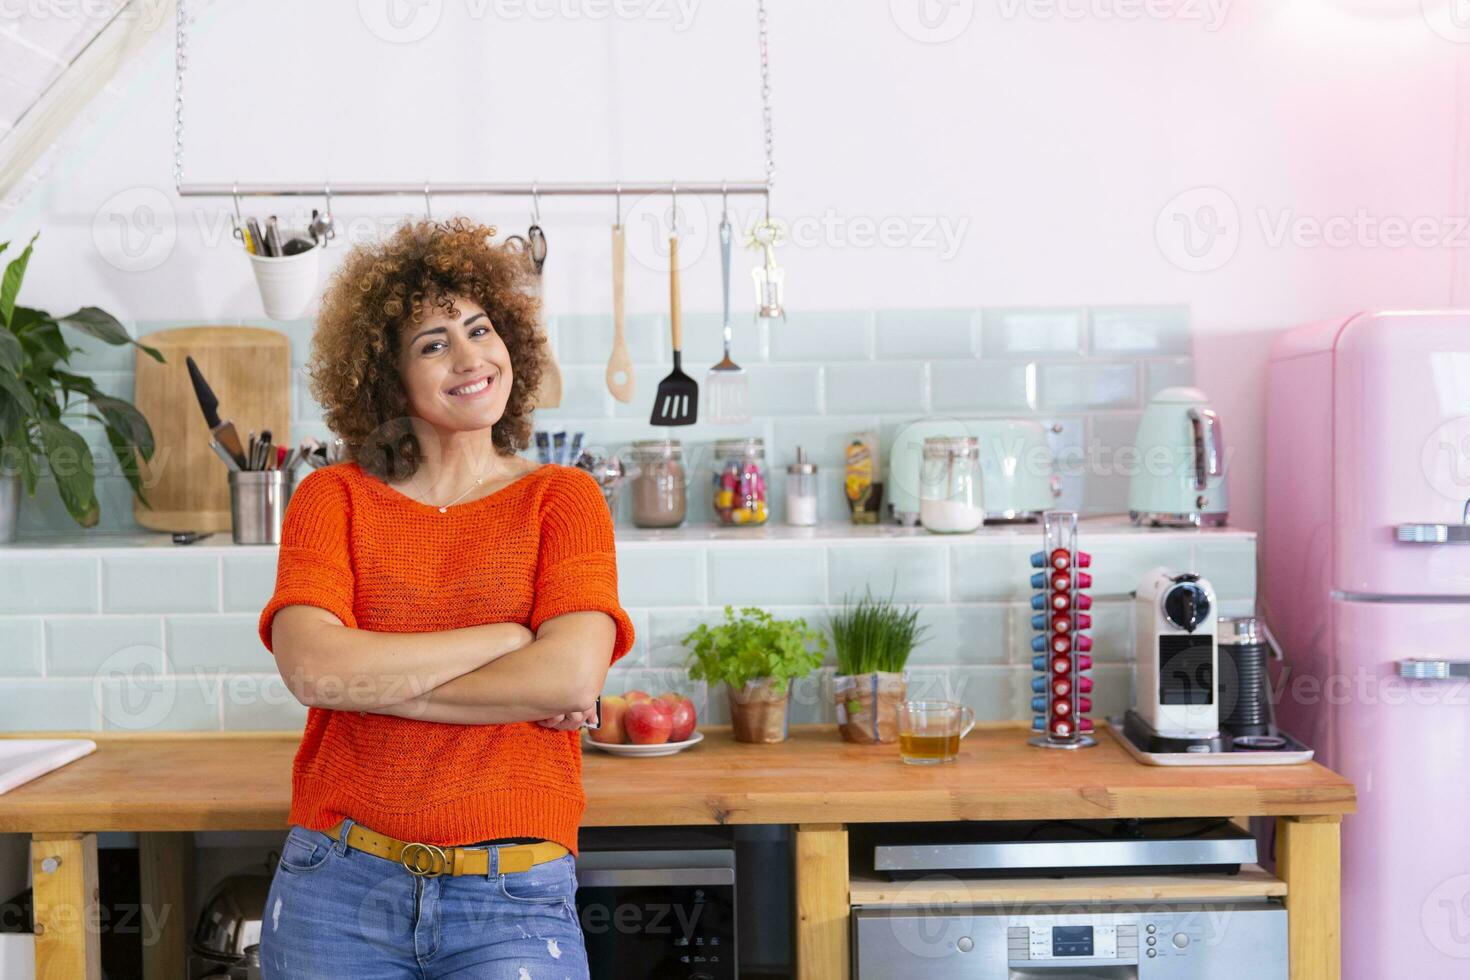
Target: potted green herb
757, 657
37, 393
873, 639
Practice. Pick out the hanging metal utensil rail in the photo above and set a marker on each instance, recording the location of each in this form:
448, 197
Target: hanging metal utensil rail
634, 188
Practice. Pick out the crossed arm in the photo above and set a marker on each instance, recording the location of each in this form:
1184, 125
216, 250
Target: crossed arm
479, 675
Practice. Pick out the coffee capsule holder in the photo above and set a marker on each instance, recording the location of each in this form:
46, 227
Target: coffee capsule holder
1063, 663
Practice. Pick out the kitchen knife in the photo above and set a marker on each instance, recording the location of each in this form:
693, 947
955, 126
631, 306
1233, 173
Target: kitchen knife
223, 432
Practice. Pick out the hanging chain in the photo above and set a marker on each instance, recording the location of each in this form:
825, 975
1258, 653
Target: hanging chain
181, 61
770, 143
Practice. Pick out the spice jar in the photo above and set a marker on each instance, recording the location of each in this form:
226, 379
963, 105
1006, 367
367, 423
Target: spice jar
949, 485
801, 491
740, 481
659, 485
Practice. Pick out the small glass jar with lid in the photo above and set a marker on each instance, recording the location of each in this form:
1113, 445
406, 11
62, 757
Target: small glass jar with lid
740, 481
801, 491
659, 483
949, 485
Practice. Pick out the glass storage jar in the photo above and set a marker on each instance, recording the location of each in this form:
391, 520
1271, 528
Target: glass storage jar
740, 481
801, 491
659, 483
949, 485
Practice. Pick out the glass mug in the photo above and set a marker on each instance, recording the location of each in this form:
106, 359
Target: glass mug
929, 732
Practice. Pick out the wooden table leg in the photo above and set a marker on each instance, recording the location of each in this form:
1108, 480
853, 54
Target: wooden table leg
1309, 860
64, 880
821, 902
165, 868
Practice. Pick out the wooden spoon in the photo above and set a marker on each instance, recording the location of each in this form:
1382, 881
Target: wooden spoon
619, 365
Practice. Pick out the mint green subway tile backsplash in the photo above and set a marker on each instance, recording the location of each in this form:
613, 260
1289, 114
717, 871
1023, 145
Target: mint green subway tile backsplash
180, 668
21, 646
1031, 332
162, 584
61, 584
1153, 330
927, 334
97, 646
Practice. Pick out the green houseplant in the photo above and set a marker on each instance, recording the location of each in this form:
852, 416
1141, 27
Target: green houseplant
757, 656
38, 395
873, 639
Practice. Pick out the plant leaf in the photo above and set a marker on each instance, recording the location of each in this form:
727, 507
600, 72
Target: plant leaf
10, 284
13, 390
127, 461
71, 463
124, 420
11, 354
106, 328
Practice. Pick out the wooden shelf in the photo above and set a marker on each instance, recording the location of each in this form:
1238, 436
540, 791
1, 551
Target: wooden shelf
1253, 881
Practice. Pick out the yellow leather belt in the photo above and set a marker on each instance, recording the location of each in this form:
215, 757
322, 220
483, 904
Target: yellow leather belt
431, 860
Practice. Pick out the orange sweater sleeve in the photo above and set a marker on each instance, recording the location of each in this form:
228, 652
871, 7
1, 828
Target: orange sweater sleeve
315, 564
577, 567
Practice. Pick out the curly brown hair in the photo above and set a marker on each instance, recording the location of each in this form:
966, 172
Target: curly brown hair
380, 288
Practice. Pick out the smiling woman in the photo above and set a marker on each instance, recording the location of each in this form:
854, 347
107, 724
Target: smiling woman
448, 610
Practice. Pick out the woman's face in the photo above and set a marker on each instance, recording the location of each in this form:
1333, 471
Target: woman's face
456, 370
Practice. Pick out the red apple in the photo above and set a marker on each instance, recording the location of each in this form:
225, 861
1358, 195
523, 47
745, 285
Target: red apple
648, 722
684, 715
636, 695
612, 731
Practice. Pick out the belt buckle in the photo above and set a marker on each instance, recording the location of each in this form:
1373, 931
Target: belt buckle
424, 860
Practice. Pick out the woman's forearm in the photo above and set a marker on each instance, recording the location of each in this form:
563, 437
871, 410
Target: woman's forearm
561, 672
326, 664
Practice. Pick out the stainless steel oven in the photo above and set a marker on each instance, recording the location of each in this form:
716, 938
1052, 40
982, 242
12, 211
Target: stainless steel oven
658, 914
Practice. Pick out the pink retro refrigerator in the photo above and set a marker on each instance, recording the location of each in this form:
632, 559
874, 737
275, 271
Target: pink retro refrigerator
1366, 590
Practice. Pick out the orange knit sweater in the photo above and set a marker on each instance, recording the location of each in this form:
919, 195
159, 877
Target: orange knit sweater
379, 560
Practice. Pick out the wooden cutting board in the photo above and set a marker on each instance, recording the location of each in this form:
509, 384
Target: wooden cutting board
249, 369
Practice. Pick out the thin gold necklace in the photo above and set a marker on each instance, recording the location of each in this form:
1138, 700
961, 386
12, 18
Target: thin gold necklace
445, 507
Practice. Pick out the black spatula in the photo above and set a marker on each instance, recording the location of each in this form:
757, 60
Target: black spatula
677, 400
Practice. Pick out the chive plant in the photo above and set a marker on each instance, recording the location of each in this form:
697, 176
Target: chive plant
874, 634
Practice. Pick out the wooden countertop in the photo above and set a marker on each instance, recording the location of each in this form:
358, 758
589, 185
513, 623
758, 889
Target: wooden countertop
237, 781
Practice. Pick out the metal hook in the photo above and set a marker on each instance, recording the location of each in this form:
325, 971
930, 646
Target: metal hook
618, 204
239, 218
673, 208
535, 204
428, 205
724, 197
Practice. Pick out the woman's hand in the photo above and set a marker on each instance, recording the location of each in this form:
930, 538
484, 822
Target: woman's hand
571, 721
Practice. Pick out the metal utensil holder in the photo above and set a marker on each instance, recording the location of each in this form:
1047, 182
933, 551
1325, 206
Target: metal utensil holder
1059, 538
258, 501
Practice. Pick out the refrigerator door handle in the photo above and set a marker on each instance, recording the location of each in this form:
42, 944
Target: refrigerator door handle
1433, 533
1434, 670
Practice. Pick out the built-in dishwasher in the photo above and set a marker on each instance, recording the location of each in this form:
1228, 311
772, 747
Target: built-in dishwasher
1204, 927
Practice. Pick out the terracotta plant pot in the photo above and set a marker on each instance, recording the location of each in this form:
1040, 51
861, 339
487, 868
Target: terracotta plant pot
867, 706
758, 711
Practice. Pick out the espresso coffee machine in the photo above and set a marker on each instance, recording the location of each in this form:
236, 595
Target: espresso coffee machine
1177, 660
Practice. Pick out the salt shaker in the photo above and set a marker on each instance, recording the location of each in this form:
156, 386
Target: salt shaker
801, 491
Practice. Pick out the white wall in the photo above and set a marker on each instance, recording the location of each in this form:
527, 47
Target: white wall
1056, 135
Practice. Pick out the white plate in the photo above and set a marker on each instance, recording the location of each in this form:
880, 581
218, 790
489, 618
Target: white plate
664, 748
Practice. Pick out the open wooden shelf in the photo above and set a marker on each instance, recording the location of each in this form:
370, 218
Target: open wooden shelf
868, 888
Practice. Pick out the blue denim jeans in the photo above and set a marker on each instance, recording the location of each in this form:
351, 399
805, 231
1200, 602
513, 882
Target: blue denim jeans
336, 913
